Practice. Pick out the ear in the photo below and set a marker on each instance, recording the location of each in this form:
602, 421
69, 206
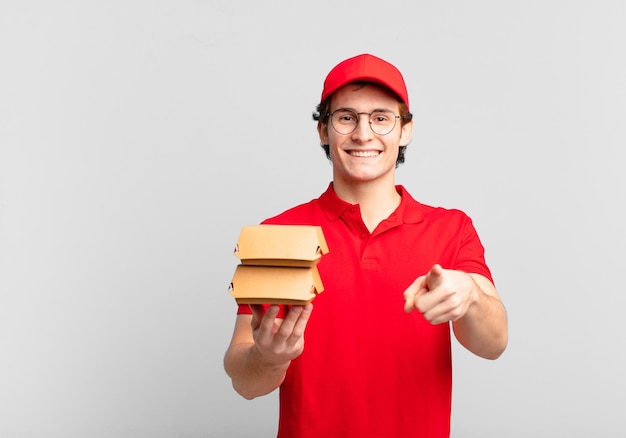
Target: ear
322, 130
407, 132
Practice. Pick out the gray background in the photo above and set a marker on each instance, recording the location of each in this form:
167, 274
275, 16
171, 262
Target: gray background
138, 137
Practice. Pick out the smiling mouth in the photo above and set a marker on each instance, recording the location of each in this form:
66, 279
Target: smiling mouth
364, 154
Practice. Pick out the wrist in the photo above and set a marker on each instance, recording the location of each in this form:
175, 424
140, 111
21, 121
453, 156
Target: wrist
264, 364
475, 293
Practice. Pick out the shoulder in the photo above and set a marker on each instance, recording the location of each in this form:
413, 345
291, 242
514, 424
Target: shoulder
428, 212
452, 214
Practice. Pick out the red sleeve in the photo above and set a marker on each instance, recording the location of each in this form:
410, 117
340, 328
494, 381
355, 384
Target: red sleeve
244, 309
471, 255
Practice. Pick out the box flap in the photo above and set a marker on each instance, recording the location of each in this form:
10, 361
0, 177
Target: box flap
281, 245
275, 284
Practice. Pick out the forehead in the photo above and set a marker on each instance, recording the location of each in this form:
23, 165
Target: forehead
364, 96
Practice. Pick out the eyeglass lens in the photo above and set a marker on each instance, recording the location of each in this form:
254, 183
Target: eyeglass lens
345, 121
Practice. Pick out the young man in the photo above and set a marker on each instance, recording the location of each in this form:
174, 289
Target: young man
377, 358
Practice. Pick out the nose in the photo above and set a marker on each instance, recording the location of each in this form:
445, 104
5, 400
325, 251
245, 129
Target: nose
363, 131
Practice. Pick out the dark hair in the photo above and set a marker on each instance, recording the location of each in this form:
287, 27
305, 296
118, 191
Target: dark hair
323, 109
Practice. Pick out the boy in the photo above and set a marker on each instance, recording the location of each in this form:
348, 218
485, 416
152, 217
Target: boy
377, 359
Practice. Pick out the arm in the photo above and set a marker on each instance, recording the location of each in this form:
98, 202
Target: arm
262, 348
483, 329
470, 301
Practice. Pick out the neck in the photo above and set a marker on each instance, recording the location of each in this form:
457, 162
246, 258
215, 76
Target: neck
376, 201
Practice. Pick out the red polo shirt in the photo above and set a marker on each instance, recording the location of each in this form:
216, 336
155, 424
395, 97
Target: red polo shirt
368, 369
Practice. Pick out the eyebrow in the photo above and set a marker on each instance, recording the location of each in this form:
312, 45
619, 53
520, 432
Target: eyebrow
355, 111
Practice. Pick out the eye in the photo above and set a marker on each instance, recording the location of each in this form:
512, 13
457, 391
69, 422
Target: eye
381, 117
345, 116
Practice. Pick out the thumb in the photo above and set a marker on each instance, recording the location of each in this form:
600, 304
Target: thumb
417, 288
435, 277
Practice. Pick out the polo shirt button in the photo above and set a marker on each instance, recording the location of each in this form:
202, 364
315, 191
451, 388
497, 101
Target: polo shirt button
363, 236
352, 209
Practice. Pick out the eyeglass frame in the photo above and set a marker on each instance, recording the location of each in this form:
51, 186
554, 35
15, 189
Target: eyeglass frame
358, 120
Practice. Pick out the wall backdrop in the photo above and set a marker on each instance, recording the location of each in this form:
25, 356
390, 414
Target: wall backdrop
137, 137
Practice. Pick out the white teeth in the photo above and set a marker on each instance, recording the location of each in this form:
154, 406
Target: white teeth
364, 153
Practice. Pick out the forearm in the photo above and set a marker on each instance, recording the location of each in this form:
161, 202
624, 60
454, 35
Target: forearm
483, 329
251, 377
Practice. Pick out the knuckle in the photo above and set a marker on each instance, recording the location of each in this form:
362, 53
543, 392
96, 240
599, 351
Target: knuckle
455, 300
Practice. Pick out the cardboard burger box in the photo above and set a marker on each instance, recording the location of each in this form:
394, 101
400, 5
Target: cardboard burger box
278, 264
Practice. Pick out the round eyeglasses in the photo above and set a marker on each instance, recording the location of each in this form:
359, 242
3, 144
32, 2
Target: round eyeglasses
345, 121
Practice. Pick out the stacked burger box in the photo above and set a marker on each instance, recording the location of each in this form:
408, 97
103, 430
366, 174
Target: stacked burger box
278, 264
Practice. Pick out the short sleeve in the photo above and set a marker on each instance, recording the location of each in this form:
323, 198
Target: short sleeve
244, 309
471, 253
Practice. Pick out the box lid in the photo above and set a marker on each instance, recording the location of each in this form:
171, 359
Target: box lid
282, 245
275, 284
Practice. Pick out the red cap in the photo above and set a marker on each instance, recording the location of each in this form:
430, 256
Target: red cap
368, 68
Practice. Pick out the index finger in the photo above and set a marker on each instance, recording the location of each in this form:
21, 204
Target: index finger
295, 322
257, 309
259, 313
